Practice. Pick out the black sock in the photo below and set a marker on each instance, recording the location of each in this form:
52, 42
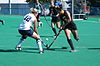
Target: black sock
71, 44
54, 30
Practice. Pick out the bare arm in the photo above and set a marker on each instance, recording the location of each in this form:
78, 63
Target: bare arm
69, 16
35, 26
69, 19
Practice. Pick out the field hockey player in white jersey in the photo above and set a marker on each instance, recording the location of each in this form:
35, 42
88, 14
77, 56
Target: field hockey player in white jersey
28, 28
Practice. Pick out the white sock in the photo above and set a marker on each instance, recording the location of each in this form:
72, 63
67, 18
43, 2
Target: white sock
39, 44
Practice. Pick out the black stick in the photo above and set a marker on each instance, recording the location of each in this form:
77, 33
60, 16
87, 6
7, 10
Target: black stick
46, 45
54, 39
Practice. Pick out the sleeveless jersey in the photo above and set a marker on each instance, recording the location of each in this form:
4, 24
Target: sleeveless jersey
27, 22
53, 11
64, 17
71, 25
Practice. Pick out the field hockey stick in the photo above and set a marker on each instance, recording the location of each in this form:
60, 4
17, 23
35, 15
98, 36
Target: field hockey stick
46, 45
57, 36
54, 39
44, 15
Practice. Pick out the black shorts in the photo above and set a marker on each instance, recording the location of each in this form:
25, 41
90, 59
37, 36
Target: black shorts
26, 32
71, 26
55, 19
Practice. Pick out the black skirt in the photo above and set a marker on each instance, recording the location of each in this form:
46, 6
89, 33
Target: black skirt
71, 26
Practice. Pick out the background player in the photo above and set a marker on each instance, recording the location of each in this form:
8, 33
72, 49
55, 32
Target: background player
39, 7
25, 29
55, 16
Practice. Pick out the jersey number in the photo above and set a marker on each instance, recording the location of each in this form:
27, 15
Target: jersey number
27, 18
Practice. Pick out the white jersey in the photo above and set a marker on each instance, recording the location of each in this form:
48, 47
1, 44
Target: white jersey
27, 22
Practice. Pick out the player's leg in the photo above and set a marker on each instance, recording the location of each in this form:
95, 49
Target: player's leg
53, 28
67, 32
74, 31
57, 20
58, 25
38, 19
39, 41
22, 39
75, 34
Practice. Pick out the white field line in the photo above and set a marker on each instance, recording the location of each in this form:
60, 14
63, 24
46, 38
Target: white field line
91, 21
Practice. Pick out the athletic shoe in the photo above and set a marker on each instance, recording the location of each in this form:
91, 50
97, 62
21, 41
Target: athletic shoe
18, 48
41, 52
73, 51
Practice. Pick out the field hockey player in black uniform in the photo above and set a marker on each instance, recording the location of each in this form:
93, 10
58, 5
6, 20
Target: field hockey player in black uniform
69, 27
55, 18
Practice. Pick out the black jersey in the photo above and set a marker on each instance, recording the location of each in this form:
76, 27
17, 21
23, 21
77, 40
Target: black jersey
71, 25
53, 11
64, 17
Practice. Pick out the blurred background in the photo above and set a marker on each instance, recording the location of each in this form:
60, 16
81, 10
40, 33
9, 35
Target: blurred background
77, 7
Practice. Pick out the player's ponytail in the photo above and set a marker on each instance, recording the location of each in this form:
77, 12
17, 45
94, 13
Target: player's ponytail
33, 10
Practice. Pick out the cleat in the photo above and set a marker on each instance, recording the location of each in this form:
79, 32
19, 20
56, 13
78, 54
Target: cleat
41, 52
73, 51
18, 48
